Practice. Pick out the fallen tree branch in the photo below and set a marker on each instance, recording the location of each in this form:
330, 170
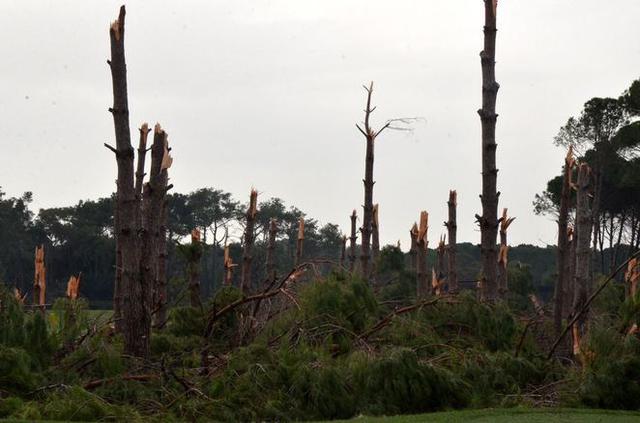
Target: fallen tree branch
385, 321
99, 382
586, 305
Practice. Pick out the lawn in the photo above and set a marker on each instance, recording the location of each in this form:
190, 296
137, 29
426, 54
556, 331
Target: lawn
523, 415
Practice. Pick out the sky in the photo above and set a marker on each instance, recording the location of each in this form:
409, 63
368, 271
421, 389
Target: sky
267, 94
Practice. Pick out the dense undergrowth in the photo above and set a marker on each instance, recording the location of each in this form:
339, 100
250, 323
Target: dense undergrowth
334, 351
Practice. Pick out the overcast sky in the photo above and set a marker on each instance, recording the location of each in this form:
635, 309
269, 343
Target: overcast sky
267, 94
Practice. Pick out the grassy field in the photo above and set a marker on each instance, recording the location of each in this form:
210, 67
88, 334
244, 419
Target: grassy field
522, 415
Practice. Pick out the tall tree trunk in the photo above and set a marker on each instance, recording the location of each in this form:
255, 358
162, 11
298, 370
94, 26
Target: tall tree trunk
570, 273
375, 234
40, 279
413, 251
247, 255
489, 219
352, 243
343, 251
193, 268
228, 267
452, 228
161, 284
503, 260
422, 244
134, 309
300, 242
563, 253
271, 251
439, 272
582, 239
367, 219
142, 154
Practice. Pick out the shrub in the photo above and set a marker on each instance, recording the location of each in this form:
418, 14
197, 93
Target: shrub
15, 370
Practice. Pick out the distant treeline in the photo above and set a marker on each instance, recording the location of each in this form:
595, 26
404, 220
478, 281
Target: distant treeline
79, 238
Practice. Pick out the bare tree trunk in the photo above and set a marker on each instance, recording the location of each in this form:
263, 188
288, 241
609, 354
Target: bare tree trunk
367, 219
135, 311
193, 269
300, 242
563, 254
247, 257
452, 227
413, 252
40, 279
569, 280
375, 234
352, 243
228, 267
161, 284
582, 239
503, 284
489, 219
142, 154
422, 243
343, 251
271, 249
439, 272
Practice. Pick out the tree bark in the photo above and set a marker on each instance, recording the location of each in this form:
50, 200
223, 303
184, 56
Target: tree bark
193, 269
271, 250
299, 242
413, 251
452, 228
343, 251
247, 257
503, 283
142, 154
439, 268
134, 309
161, 283
422, 277
375, 234
489, 219
352, 243
582, 239
563, 253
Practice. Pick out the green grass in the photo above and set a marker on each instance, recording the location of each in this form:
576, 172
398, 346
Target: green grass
523, 415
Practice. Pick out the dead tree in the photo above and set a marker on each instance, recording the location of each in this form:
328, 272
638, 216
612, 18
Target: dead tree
142, 154
570, 265
343, 250
367, 220
193, 268
438, 274
421, 246
73, 287
161, 276
271, 250
375, 234
562, 256
137, 222
247, 257
299, 242
582, 239
489, 220
352, 242
452, 228
40, 279
632, 278
503, 260
413, 252
228, 267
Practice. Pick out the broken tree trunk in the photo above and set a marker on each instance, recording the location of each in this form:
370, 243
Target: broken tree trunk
343, 250
503, 283
570, 272
193, 269
142, 153
153, 200
582, 239
422, 243
228, 267
134, 309
439, 272
299, 242
562, 256
73, 287
367, 219
375, 234
452, 228
271, 250
489, 220
247, 257
161, 283
352, 242
39, 280
413, 252
632, 278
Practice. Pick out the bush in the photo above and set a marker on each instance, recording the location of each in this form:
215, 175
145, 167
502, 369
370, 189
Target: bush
15, 370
